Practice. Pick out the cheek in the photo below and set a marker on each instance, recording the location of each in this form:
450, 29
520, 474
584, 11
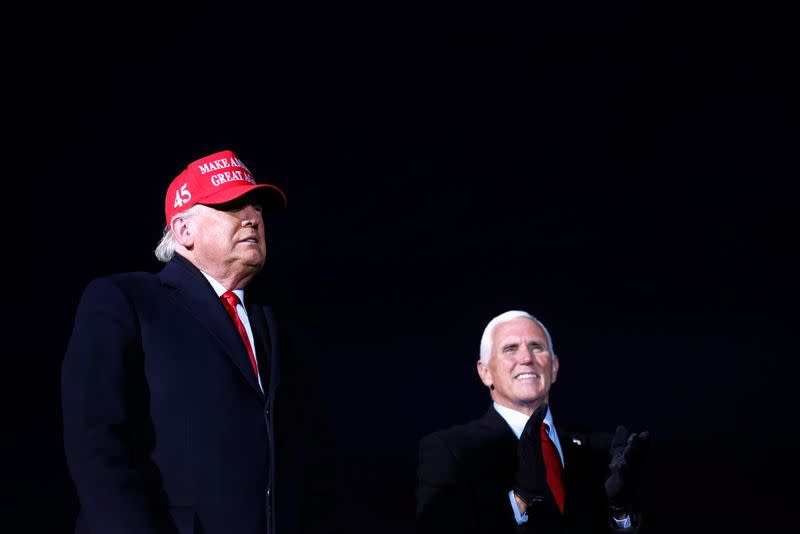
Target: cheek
508, 375
505, 364
552, 373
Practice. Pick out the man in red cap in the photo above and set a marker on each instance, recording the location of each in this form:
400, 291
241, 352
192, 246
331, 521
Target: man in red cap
174, 420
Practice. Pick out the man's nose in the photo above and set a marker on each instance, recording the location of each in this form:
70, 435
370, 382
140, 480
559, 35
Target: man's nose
251, 216
525, 354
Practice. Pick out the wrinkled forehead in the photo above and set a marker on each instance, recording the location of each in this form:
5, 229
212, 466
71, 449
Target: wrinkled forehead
518, 329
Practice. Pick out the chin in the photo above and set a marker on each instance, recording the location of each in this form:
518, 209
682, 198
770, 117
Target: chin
532, 398
532, 391
256, 258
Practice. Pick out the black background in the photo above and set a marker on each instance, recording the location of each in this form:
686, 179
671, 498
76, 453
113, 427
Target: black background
627, 173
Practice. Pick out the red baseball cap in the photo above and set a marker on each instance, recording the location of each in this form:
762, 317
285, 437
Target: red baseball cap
216, 179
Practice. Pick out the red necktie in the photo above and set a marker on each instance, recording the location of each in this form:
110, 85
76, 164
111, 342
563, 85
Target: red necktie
555, 471
230, 300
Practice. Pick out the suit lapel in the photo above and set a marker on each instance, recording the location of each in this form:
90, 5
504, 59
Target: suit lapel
493, 474
574, 447
497, 429
274, 351
263, 324
502, 444
192, 291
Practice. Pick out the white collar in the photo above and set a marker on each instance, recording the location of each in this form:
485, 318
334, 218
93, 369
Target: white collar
219, 289
517, 420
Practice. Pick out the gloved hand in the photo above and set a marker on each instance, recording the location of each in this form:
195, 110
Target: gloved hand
531, 476
627, 451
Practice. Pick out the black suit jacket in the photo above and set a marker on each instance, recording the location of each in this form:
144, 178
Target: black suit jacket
165, 427
465, 474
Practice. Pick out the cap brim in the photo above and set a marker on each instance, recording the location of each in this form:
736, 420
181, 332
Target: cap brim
270, 197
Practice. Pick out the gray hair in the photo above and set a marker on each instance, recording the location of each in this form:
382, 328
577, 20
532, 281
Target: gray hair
488, 332
165, 249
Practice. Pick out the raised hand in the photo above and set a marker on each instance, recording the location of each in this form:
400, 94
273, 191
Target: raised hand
627, 451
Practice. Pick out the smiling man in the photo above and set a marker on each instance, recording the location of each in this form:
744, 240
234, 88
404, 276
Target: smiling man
518, 363
513, 470
174, 420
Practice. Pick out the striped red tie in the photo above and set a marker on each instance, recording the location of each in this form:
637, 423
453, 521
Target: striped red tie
230, 300
555, 471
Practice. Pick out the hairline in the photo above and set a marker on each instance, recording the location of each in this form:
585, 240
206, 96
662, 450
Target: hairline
488, 333
165, 249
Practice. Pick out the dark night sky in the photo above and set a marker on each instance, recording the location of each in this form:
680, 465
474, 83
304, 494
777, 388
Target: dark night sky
627, 173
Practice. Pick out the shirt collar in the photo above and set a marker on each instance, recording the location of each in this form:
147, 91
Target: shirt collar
219, 289
517, 420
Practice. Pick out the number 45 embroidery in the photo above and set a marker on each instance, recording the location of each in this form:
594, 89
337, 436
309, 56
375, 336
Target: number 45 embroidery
182, 196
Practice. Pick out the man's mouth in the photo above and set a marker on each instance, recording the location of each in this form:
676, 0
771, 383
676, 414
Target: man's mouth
527, 376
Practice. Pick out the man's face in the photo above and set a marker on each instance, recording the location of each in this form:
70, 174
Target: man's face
229, 238
520, 368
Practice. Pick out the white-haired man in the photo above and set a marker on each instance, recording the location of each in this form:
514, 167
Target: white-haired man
512, 470
174, 421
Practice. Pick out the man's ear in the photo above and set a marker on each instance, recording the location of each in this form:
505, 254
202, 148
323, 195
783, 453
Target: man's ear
485, 373
182, 231
555, 369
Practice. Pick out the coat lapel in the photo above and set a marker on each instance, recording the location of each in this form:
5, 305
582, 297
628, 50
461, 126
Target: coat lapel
497, 429
574, 447
502, 446
275, 353
191, 290
262, 322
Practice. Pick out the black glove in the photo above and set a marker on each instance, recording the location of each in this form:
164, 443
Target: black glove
627, 452
531, 476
